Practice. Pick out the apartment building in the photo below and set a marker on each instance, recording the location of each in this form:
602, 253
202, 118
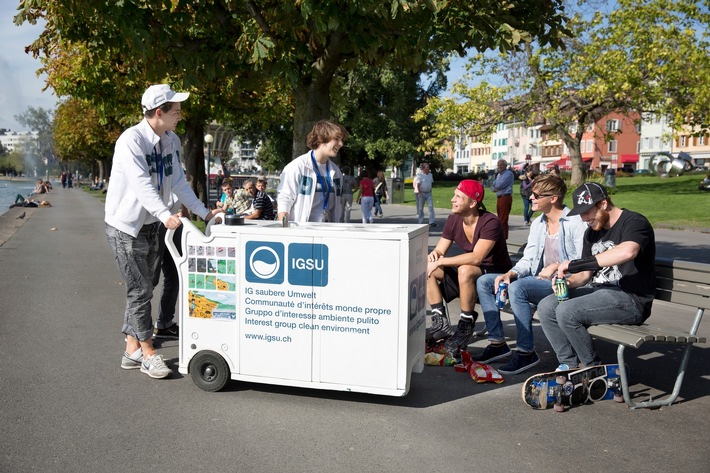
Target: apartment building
17, 140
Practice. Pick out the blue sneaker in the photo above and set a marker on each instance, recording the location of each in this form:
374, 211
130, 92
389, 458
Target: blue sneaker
520, 362
563, 367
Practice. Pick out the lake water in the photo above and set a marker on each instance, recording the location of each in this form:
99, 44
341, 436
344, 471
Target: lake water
9, 190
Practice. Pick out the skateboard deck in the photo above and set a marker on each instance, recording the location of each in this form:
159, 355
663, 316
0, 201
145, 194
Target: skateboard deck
563, 389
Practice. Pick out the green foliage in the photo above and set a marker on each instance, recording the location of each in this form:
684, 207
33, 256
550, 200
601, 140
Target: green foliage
641, 55
375, 104
12, 163
39, 120
226, 53
275, 151
77, 134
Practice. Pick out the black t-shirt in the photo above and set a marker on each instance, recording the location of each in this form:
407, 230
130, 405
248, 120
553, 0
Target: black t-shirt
487, 228
637, 276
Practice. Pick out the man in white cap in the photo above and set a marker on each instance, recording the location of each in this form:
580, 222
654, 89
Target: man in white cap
614, 282
146, 180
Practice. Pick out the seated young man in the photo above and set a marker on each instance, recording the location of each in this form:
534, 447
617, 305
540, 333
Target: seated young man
614, 282
233, 201
479, 234
554, 237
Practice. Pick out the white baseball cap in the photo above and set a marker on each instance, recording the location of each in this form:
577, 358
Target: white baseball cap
157, 95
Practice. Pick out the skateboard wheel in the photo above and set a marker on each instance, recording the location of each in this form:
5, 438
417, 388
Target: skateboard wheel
560, 380
618, 398
597, 390
559, 408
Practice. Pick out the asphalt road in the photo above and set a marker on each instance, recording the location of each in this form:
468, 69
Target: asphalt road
66, 406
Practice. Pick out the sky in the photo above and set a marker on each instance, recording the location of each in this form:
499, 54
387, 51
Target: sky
20, 87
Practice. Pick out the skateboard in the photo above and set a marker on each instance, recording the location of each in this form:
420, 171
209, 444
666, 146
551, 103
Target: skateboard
562, 389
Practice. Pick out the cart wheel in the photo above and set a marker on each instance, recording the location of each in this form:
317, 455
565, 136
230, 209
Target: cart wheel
209, 371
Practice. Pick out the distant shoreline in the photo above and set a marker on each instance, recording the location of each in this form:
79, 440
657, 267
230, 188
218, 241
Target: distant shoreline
10, 223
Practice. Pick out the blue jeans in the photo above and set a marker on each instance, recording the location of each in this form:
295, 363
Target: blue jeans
139, 262
527, 210
366, 204
378, 207
565, 323
421, 198
521, 293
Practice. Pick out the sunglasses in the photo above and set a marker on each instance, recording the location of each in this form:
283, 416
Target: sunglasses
535, 195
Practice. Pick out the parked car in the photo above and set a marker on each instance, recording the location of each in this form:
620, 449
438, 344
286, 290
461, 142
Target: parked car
642, 171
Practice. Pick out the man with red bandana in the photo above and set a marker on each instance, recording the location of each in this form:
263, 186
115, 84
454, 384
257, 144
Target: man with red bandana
480, 235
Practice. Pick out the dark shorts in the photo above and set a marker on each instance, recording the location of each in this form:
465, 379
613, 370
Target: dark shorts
450, 285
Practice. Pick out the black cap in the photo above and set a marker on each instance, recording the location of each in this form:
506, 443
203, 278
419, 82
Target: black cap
586, 196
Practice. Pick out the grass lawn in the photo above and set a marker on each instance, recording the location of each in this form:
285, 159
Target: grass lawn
670, 202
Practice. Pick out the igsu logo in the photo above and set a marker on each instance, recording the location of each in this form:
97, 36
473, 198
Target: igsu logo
264, 262
306, 264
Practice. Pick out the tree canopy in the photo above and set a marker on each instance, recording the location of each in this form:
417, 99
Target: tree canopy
226, 50
639, 55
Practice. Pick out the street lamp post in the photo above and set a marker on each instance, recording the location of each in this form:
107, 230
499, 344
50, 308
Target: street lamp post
208, 140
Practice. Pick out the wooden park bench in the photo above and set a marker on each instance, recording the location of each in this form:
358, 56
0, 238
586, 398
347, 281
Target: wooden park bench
677, 282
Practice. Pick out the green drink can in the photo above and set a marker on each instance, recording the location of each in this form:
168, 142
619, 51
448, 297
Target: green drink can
561, 289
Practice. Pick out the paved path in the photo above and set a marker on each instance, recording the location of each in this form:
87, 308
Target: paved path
66, 406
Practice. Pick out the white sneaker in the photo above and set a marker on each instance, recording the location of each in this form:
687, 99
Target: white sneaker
132, 362
155, 367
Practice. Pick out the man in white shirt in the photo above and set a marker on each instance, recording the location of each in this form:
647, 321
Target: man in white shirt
423, 182
146, 180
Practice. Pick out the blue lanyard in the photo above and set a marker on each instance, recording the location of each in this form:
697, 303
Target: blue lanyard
325, 186
158, 157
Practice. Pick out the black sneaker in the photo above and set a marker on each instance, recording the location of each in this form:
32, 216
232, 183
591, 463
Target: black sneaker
520, 362
460, 340
170, 333
440, 327
492, 353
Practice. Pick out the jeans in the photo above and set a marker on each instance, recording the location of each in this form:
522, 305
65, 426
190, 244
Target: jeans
421, 197
378, 207
171, 281
366, 204
138, 260
565, 323
527, 210
521, 293
346, 204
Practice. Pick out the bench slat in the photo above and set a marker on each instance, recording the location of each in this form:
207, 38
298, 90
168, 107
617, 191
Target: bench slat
613, 334
678, 297
637, 335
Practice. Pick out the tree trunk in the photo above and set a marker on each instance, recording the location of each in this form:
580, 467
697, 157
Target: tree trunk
193, 157
312, 103
312, 95
574, 145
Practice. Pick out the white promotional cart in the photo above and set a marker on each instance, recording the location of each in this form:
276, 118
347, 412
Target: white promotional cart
315, 305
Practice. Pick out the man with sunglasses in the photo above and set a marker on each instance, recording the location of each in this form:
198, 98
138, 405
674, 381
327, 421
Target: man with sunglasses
555, 236
613, 282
